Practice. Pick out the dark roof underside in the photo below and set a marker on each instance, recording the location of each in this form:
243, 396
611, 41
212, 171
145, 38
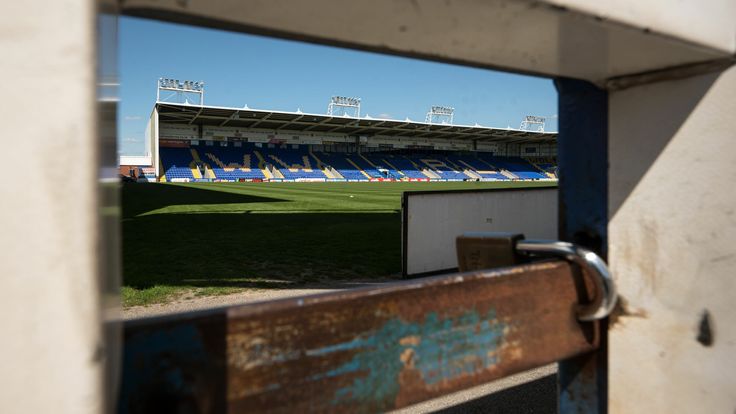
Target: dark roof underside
299, 122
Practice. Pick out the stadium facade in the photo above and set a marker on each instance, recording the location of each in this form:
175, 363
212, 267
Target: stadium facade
194, 142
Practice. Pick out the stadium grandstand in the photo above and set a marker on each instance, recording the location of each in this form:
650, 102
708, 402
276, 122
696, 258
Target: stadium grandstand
188, 142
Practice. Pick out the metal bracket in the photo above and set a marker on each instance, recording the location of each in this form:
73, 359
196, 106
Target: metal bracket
478, 251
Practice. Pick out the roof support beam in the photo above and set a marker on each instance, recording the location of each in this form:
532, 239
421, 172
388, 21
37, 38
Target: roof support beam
379, 124
178, 116
260, 121
288, 123
324, 121
196, 116
348, 125
235, 115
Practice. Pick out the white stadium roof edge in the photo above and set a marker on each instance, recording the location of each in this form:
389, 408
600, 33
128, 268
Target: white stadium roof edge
365, 126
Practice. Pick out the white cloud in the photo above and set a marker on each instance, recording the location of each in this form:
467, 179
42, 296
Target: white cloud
131, 139
132, 118
384, 116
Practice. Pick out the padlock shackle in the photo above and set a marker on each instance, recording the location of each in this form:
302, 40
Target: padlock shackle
590, 262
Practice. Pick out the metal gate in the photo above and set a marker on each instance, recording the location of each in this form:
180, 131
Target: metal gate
657, 79
377, 348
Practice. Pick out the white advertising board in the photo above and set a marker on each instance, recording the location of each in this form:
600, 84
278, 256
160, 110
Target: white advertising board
432, 220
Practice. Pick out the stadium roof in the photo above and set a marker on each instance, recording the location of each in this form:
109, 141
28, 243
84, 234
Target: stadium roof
303, 122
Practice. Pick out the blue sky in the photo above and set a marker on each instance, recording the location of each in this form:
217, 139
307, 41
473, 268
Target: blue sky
266, 73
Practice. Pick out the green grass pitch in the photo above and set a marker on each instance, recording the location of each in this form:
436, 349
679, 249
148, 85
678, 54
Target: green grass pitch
218, 238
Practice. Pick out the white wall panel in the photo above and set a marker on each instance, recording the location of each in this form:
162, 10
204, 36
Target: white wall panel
672, 238
433, 220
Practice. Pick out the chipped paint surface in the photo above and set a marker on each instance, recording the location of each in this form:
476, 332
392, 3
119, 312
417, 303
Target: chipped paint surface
440, 349
159, 359
366, 350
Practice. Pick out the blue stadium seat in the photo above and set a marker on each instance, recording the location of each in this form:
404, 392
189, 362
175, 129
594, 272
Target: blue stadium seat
231, 163
176, 162
378, 159
293, 163
405, 165
298, 163
481, 168
340, 163
439, 165
516, 165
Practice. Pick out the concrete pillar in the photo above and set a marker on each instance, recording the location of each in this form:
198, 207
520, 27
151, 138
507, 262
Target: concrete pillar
52, 349
672, 232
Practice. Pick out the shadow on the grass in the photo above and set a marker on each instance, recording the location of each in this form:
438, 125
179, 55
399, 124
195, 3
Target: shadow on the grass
266, 251
139, 198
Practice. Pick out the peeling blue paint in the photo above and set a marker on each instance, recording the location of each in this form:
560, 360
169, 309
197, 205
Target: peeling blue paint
154, 362
441, 349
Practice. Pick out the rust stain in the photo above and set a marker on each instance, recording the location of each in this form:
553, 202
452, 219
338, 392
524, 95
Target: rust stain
622, 310
375, 349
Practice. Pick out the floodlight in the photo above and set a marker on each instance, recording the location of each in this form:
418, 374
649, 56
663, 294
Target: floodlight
440, 114
180, 87
533, 123
344, 105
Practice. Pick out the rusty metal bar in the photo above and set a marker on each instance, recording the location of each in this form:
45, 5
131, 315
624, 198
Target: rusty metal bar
363, 350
